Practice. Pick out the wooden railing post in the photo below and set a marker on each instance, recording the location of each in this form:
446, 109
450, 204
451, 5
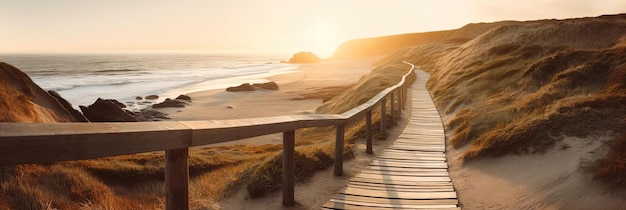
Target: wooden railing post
400, 96
339, 150
289, 168
399, 102
177, 179
392, 106
368, 131
383, 109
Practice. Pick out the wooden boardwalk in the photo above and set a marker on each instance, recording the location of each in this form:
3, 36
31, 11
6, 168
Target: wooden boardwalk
412, 173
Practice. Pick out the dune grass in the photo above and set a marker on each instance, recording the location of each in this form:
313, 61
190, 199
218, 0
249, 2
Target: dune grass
136, 181
612, 167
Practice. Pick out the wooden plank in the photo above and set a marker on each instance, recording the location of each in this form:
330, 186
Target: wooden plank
392, 205
52, 142
400, 189
399, 195
419, 143
333, 205
428, 149
391, 168
397, 186
416, 146
402, 165
411, 158
411, 154
389, 160
316, 120
404, 201
404, 178
388, 150
215, 131
379, 181
395, 173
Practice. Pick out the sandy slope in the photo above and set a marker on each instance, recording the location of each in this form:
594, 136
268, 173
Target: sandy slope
553, 180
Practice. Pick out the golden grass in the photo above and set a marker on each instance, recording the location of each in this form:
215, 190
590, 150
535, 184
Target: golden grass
136, 181
612, 168
518, 88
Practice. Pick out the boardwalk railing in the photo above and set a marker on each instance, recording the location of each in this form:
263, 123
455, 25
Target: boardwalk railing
22, 143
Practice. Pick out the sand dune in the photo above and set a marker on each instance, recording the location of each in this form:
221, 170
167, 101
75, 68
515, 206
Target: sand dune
529, 106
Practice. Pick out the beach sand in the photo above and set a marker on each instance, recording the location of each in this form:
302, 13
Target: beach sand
555, 179
220, 104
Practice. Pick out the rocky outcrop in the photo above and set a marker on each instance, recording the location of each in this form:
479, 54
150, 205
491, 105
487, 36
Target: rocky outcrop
304, 57
253, 87
68, 106
151, 97
242, 87
21, 100
107, 111
184, 97
169, 103
150, 115
267, 85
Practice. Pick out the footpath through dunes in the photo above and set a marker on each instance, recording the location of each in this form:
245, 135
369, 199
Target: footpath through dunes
412, 173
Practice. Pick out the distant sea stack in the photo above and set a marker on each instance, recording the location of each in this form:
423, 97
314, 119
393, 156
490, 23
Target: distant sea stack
304, 57
21, 100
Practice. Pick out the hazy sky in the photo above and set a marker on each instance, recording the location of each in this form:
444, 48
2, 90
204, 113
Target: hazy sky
279, 25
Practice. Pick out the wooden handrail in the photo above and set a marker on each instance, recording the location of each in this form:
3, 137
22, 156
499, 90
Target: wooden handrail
22, 143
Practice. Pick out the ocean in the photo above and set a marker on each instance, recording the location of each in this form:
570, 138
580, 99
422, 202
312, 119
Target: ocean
83, 78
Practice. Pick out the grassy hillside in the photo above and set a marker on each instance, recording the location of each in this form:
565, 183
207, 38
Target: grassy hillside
523, 86
385, 45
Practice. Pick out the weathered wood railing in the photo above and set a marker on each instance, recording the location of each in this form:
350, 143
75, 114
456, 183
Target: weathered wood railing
22, 143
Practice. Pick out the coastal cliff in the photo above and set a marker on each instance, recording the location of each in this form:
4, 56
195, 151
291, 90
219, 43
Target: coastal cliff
21, 100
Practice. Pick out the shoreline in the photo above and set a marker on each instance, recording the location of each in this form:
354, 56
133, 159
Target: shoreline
220, 104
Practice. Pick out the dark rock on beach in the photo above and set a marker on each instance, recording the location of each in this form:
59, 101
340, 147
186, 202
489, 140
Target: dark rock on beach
184, 97
151, 97
150, 115
107, 111
139, 98
169, 103
267, 85
68, 106
253, 87
242, 87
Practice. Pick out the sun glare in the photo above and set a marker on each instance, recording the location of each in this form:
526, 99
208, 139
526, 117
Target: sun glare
325, 37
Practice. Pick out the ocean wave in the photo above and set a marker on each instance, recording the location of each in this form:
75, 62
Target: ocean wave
69, 87
116, 70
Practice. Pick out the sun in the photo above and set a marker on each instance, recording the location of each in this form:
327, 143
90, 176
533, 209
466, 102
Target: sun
324, 37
